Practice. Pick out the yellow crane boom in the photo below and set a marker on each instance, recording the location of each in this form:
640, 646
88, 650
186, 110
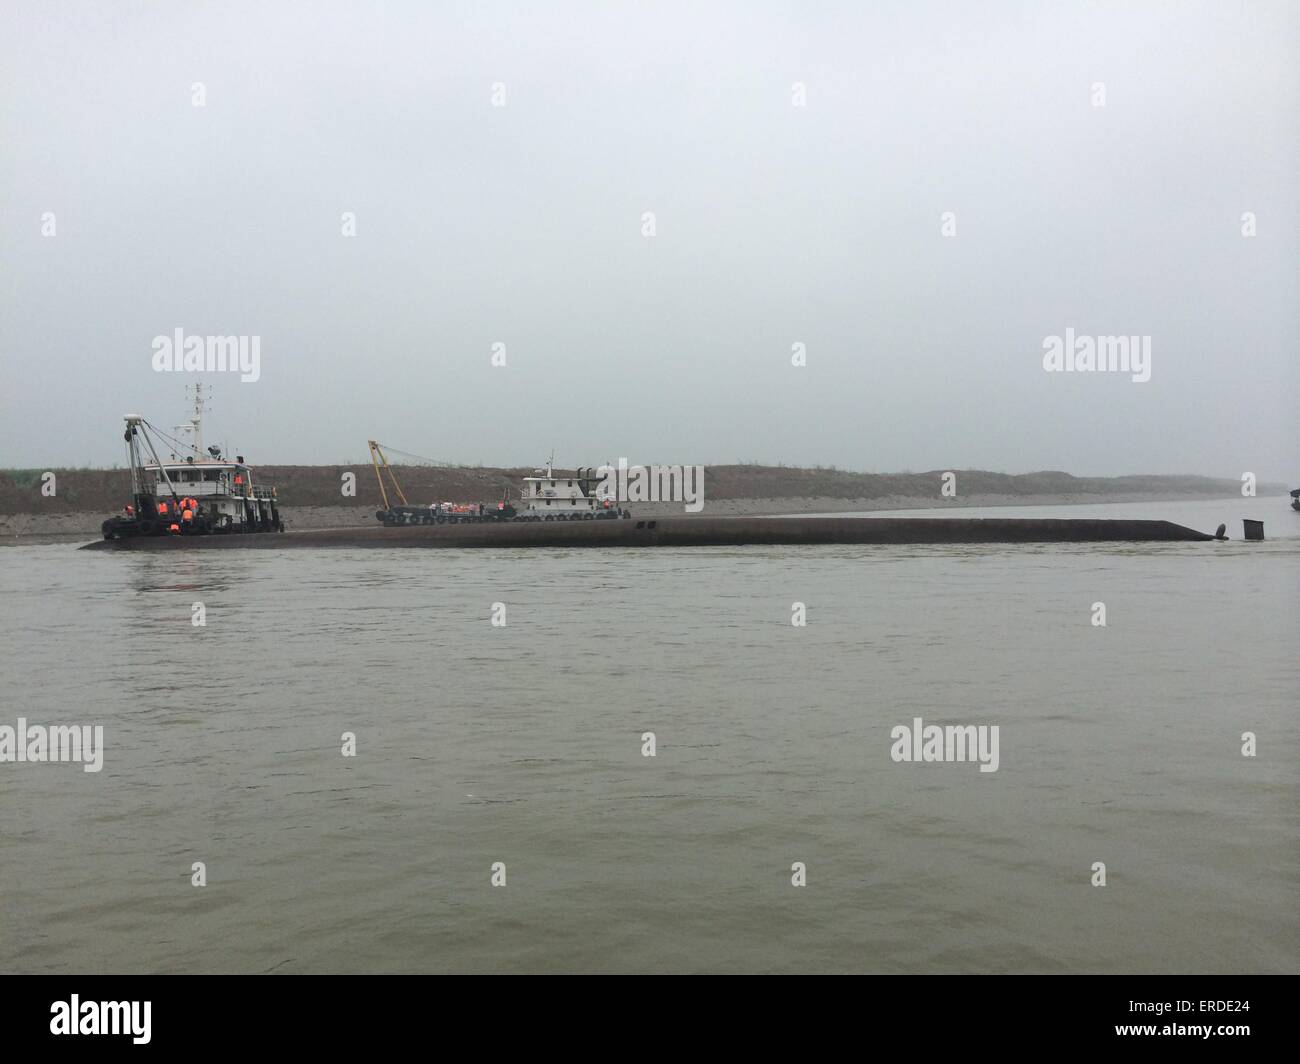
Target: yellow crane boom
376, 457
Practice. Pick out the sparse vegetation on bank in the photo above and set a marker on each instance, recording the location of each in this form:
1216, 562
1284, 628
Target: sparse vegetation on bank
106, 490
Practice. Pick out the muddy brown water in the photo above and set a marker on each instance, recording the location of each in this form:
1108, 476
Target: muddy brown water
522, 744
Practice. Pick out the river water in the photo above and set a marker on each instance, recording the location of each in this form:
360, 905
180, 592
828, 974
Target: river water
523, 744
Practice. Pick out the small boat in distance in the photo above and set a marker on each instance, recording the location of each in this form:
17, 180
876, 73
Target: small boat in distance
549, 496
1295, 499
196, 494
582, 496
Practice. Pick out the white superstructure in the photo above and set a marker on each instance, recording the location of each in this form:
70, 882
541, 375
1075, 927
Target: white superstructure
564, 497
223, 494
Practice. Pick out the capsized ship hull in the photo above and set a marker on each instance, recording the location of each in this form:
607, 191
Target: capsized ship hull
695, 532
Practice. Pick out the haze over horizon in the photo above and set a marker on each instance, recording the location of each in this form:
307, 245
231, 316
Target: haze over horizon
775, 224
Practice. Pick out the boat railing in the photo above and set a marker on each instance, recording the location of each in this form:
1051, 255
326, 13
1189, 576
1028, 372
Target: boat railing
201, 488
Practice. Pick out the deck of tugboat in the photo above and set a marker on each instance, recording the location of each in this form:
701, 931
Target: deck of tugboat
688, 532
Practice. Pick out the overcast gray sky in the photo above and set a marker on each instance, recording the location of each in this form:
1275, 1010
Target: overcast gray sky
775, 224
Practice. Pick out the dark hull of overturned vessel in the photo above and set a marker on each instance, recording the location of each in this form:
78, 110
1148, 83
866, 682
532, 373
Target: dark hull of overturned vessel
700, 532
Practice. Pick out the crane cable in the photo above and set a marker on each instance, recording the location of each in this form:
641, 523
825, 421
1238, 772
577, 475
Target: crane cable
506, 483
180, 445
407, 454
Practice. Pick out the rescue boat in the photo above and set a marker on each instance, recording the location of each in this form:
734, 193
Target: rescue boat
193, 494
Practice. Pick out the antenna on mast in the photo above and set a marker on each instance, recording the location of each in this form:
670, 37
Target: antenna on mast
194, 428
196, 419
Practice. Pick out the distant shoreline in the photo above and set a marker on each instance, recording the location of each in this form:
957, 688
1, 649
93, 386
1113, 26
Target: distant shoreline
78, 526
